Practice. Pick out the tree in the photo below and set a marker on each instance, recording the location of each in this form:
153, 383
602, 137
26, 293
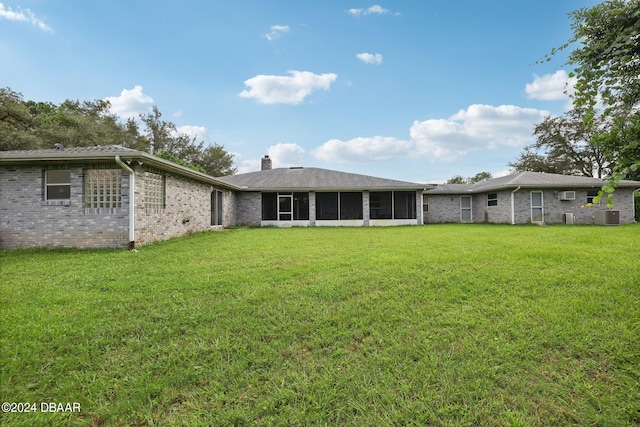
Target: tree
16, 123
607, 68
217, 162
158, 132
29, 125
566, 145
479, 177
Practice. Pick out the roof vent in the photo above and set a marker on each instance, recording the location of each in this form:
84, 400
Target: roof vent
58, 146
296, 167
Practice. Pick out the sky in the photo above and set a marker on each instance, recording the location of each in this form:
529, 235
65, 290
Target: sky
414, 90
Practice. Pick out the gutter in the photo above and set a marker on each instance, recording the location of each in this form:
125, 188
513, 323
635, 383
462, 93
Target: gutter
513, 206
132, 199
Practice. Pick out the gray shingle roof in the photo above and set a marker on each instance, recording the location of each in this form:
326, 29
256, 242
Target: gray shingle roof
103, 153
527, 180
282, 179
67, 152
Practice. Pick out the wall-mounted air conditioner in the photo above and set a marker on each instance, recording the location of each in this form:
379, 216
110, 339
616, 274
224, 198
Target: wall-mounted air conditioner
606, 217
567, 195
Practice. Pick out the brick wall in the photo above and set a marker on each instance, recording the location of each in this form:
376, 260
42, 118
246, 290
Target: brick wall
446, 208
27, 220
187, 208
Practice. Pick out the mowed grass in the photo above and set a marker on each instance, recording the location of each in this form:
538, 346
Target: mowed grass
441, 325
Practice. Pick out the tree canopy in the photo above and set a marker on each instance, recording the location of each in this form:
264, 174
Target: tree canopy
479, 177
606, 64
30, 125
566, 145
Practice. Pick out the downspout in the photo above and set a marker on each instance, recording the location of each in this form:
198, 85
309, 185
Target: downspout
132, 204
513, 206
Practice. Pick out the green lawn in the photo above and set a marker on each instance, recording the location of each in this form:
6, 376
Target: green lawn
436, 325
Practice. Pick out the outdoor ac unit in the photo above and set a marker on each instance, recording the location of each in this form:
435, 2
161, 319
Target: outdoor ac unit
569, 218
606, 217
567, 195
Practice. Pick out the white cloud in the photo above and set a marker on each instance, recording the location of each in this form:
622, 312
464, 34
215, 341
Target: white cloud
551, 87
197, 132
130, 103
479, 127
372, 10
276, 31
286, 155
370, 58
363, 149
26, 16
292, 89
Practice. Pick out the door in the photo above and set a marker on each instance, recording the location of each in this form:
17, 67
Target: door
285, 207
466, 213
537, 206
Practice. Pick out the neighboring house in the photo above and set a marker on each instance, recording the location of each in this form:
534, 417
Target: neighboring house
82, 197
300, 196
529, 197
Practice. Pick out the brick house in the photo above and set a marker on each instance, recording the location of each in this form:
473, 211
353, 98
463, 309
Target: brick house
82, 197
300, 196
529, 197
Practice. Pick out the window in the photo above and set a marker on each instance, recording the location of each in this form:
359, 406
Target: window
269, 206
327, 206
285, 206
339, 206
381, 205
591, 194
57, 185
404, 205
351, 205
492, 199
216, 207
425, 203
102, 188
301, 206
153, 191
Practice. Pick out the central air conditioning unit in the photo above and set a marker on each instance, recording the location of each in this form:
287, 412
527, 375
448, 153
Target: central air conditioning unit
606, 217
569, 218
567, 195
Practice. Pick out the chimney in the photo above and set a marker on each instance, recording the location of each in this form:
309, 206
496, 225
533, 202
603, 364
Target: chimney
266, 163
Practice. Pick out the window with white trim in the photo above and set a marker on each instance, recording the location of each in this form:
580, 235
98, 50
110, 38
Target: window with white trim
154, 192
57, 185
102, 188
492, 199
591, 194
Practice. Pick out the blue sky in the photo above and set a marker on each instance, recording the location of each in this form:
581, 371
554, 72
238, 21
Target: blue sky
416, 90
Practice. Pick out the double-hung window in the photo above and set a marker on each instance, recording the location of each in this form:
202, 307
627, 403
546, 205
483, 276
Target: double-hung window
57, 185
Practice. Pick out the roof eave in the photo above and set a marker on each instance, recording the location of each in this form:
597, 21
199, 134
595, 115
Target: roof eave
128, 155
